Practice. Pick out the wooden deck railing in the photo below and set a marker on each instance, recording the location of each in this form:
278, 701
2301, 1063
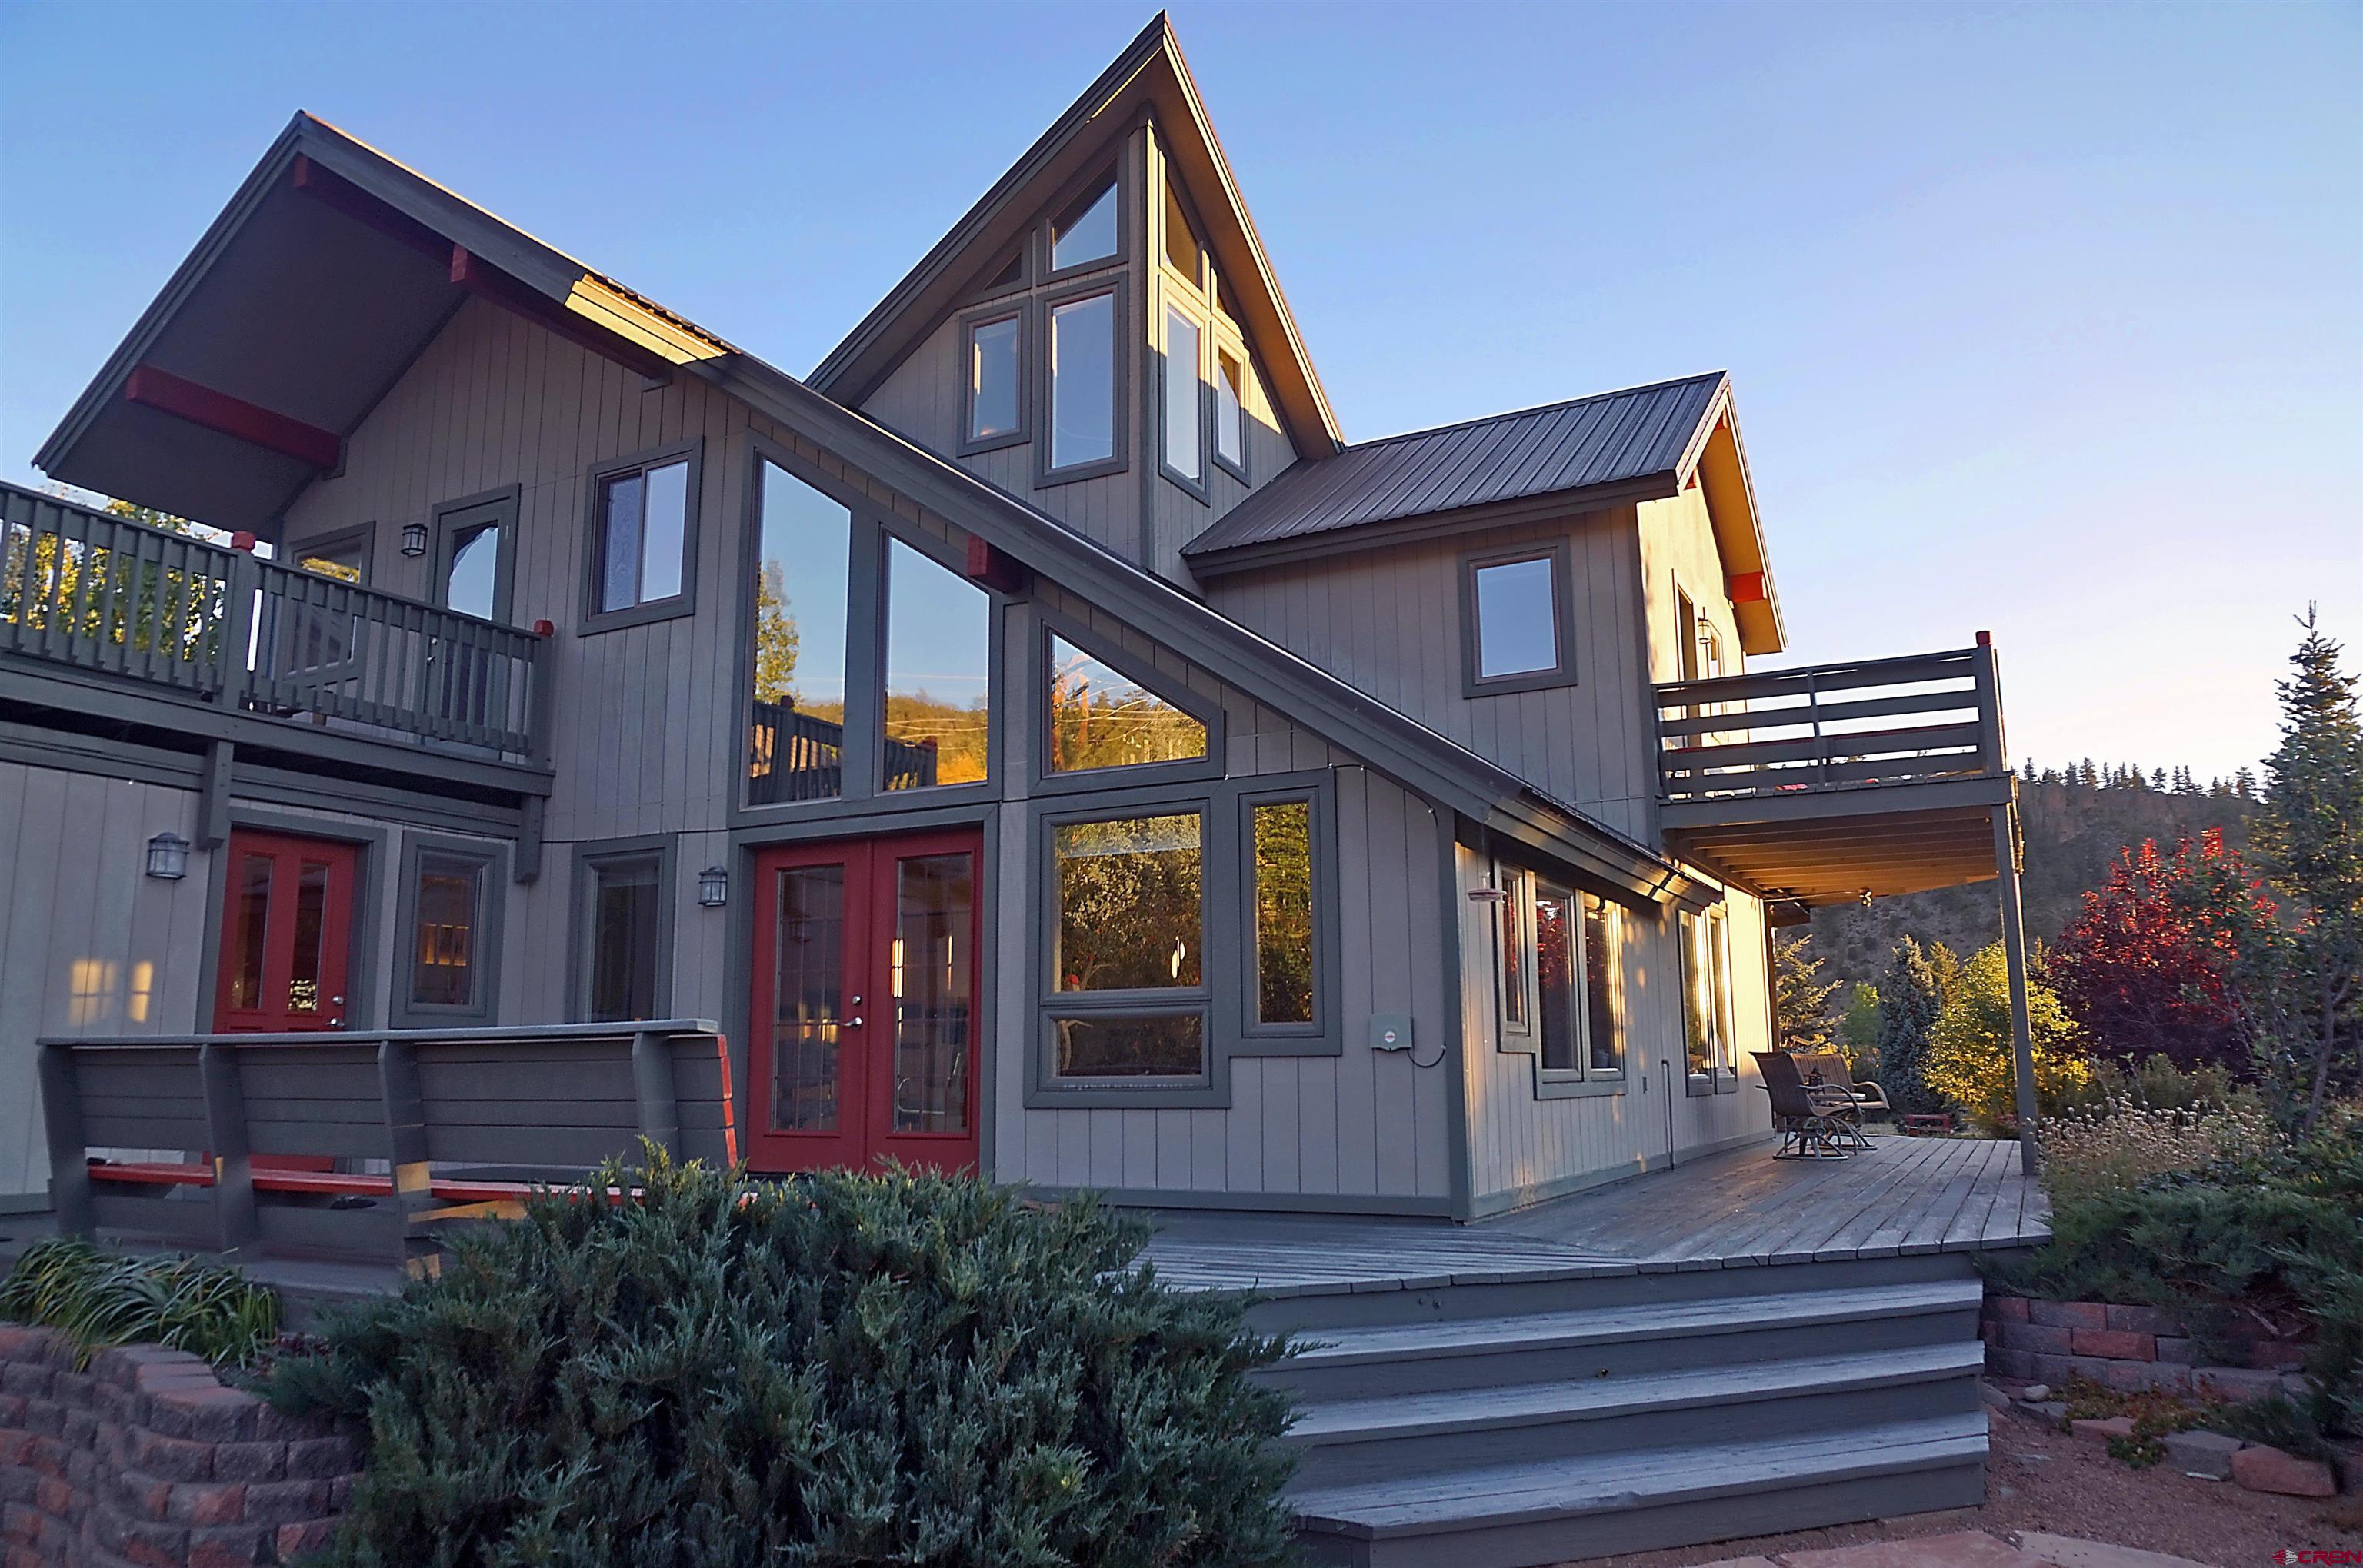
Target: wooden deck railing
1832, 725
120, 597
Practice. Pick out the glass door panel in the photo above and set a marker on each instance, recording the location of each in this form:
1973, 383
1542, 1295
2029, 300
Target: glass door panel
287, 928
931, 982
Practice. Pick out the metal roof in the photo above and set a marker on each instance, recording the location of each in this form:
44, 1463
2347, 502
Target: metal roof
1610, 438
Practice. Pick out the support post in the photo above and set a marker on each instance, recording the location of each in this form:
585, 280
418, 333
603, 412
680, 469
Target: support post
234, 1216
212, 797
406, 1136
2014, 945
653, 1080
69, 1156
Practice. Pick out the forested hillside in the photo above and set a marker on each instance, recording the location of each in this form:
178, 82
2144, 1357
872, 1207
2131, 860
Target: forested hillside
2076, 820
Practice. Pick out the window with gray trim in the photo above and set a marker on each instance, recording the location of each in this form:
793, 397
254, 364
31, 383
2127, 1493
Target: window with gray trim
993, 388
643, 552
626, 929
1710, 1049
1153, 904
1517, 632
1559, 953
448, 933
1103, 720
1082, 371
1089, 230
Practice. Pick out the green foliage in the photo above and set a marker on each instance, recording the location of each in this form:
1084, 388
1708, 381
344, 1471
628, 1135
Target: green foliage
2302, 991
1859, 1031
98, 1300
1971, 1059
840, 1369
2274, 1225
1804, 997
1909, 1000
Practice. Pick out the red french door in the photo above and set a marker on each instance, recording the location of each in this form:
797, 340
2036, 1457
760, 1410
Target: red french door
286, 933
865, 1022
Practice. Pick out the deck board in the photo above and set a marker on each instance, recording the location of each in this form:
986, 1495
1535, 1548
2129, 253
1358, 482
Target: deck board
1905, 1196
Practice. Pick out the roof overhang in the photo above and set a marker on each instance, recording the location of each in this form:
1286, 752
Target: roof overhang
1719, 463
1149, 78
326, 273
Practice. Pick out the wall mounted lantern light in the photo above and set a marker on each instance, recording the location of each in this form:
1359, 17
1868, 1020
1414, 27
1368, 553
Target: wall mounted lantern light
713, 886
168, 856
413, 538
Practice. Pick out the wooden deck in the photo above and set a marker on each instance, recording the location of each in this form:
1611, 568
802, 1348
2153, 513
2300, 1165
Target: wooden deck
1907, 1197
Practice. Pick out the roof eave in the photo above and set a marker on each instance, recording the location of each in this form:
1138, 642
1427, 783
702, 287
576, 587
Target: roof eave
1719, 461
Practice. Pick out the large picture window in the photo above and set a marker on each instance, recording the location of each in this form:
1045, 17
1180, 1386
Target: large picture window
1128, 921
938, 708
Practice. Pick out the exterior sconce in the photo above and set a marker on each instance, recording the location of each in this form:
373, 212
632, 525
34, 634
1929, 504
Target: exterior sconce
413, 538
168, 856
713, 886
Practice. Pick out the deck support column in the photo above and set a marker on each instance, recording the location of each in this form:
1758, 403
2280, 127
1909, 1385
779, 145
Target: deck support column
2014, 946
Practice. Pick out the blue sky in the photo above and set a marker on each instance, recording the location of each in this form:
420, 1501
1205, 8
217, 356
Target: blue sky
2047, 320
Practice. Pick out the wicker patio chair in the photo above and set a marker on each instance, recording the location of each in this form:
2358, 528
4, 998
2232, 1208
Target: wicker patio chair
1812, 1126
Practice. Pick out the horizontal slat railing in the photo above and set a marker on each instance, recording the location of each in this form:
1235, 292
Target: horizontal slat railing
1780, 732
122, 597
559, 1099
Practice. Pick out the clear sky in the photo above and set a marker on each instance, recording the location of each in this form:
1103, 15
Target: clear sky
2044, 319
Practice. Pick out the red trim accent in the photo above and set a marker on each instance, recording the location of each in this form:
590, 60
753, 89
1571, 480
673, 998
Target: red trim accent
234, 416
545, 628
1985, 639
317, 1182
991, 566
335, 191
488, 283
242, 540
1748, 587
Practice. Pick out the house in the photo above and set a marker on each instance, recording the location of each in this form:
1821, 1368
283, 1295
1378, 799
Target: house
1039, 737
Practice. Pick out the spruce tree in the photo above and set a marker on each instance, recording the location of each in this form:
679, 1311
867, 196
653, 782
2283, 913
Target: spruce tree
2309, 838
1910, 997
1801, 997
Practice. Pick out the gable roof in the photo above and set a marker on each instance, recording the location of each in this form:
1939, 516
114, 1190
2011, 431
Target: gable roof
1585, 444
406, 212
1149, 75
1638, 444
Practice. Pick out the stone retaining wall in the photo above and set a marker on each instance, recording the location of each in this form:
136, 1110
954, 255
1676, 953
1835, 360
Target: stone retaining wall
144, 1460
2129, 1349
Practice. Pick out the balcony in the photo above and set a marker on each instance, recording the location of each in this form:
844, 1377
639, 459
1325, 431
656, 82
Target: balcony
127, 623
1803, 782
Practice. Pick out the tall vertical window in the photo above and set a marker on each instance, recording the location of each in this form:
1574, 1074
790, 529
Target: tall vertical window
1559, 985
994, 350
802, 565
445, 914
1283, 936
1230, 411
1086, 231
1515, 637
939, 673
1606, 1044
1082, 381
1514, 937
642, 536
624, 956
1182, 250
1184, 442
1710, 1048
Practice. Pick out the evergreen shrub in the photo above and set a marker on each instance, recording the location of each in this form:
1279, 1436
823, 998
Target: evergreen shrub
836, 1369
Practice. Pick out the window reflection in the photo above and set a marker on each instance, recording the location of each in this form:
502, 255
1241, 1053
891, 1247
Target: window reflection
1102, 718
934, 896
800, 577
443, 947
938, 649
1129, 914
807, 1008
1283, 911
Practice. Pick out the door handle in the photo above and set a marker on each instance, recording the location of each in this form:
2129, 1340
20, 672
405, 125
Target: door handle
853, 1023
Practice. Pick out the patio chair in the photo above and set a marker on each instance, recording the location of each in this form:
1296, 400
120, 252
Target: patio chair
1812, 1126
1827, 1070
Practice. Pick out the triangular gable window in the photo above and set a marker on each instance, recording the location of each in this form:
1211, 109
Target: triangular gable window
1087, 232
1101, 717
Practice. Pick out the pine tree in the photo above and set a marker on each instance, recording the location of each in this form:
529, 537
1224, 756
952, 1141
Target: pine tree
2309, 838
2158, 779
1910, 997
2244, 784
2030, 770
1802, 997
2086, 775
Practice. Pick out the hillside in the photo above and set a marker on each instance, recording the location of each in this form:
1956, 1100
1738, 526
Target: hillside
2074, 830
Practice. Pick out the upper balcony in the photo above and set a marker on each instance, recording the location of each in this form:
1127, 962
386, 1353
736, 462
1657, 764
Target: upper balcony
133, 624
1801, 782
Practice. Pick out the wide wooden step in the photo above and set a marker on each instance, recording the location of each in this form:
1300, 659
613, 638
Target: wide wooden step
1418, 1434
1537, 1347
1522, 1514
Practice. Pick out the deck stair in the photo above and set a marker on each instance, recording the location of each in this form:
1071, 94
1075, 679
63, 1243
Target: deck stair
1518, 1421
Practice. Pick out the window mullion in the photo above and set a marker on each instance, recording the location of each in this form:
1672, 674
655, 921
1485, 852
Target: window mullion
861, 755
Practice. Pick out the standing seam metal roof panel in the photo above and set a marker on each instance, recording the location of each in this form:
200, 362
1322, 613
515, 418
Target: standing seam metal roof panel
1605, 439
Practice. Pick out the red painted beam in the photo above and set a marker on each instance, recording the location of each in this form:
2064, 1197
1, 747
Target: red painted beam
994, 567
168, 393
334, 190
1748, 587
486, 281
